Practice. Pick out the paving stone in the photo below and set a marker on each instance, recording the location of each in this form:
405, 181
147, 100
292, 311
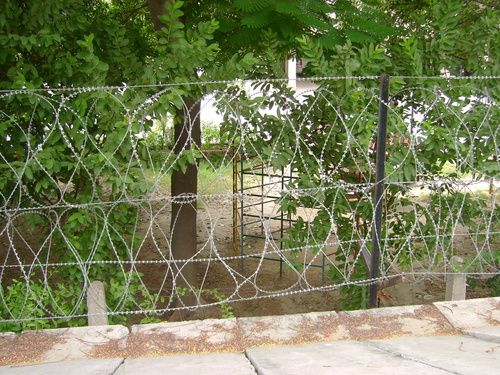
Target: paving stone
340, 357
80, 367
474, 313
485, 333
213, 364
456, 354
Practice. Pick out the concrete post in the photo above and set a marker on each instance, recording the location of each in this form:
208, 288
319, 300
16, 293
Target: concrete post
455, 283
291, 70
96, 304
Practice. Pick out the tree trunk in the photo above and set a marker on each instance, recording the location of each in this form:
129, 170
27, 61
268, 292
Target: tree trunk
183, 232
156, 8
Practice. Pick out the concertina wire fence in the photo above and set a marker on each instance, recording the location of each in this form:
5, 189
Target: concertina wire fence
85, 191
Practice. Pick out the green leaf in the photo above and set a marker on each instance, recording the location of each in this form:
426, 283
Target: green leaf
251, 5
259, 20
357, 36
28, 173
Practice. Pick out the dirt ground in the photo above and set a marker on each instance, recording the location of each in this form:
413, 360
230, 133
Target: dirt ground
261, 278
257, 278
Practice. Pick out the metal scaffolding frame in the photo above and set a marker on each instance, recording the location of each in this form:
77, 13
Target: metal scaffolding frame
242, 219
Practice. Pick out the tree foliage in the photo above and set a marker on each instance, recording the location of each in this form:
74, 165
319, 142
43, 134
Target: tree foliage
97, 42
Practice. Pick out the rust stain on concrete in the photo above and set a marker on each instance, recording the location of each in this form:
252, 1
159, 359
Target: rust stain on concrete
489, 315
215, 337
288, 329
26, 348
416, 321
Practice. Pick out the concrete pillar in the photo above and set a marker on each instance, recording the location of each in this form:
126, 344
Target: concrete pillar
455, 283
291, 70
96, 304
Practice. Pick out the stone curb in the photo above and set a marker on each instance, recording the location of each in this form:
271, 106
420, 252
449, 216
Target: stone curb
238, 334
53, 345
473, 313
485, 333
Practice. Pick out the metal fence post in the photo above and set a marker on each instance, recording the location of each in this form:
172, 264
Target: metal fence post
379, 188
242, 225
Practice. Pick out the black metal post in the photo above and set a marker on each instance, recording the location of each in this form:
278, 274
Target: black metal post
242, 226
262, 199
379, 188
281, 223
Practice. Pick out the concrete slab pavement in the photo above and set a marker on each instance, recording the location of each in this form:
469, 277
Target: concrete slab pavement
78, 367
213, 364
418, 355
485, 333
342, 357
455, 354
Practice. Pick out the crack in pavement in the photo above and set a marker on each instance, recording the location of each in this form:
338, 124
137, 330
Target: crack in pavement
119, 365
254, 365
408, 358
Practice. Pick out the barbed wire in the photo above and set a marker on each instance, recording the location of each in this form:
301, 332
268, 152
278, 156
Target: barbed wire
240, 257
83, 183
238, 81
189, 198
359, 283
